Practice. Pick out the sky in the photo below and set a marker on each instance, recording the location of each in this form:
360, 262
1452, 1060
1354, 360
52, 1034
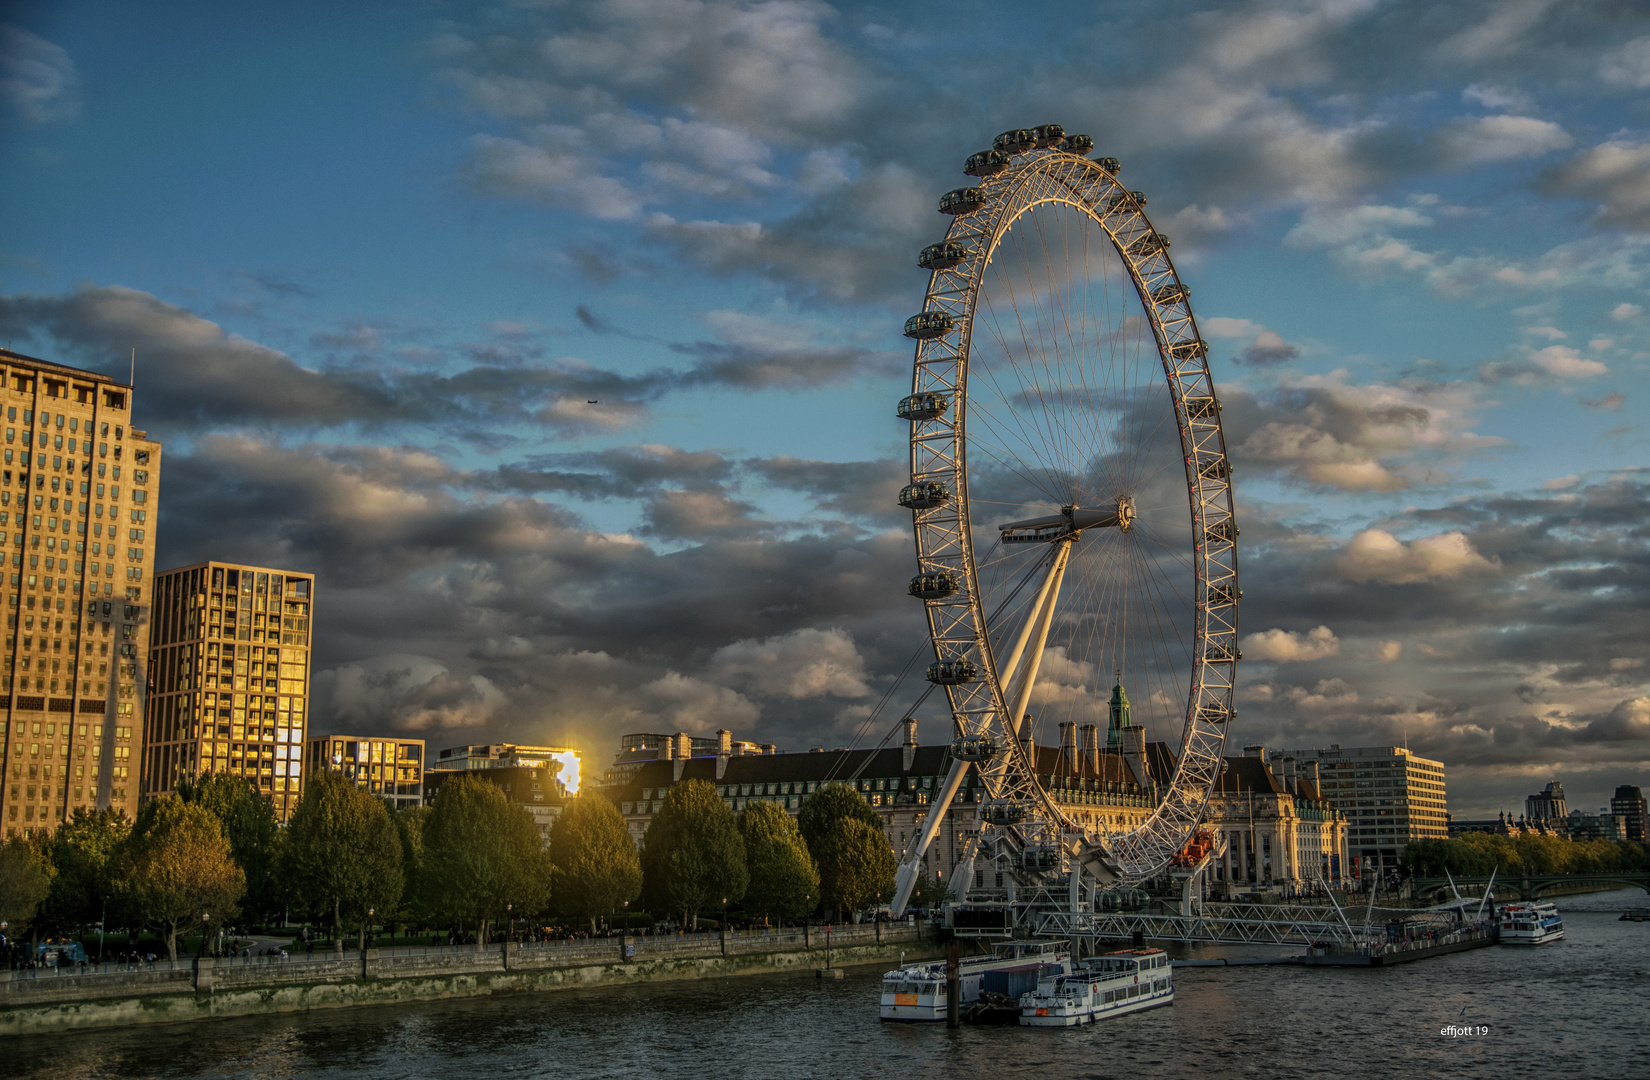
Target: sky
561, 340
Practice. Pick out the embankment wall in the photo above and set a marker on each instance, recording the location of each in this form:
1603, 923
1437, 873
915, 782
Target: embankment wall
44, 1001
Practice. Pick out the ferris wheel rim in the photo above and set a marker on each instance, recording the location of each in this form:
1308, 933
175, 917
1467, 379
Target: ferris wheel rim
959, 630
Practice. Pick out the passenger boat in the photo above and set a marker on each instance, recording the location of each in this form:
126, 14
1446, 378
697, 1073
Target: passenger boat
916, 993
1530, 924
1635, 914
1102, 987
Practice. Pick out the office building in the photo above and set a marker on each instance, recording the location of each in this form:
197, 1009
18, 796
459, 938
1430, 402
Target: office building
1548, 805
563, 763
1389, 796
1628, 806
1279, 832
78, 486
390, 767
230, 662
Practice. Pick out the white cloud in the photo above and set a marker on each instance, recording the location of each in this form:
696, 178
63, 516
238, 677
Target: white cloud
679, 703
1614, 174
1566, 363
1495, 97
1377, 555
1628, 66
805, 663
37, 79
1500, 138
1559, 483
1287, 646
1220, 326
1625, 312
1388, 651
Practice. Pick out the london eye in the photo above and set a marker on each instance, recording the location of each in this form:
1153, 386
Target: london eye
1071, 500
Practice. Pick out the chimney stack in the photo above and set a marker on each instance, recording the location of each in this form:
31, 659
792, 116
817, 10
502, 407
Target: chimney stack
1068, 746
684, 751
1134, 752
909, 748
724, 750
1091, 748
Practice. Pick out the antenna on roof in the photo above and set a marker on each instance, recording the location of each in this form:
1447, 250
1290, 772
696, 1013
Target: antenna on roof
132, 379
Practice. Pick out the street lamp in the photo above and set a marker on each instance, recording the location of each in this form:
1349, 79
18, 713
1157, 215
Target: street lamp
205, 919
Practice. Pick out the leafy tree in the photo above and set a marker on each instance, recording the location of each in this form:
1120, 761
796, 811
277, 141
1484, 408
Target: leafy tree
25, 879
927, 891
175, 867
822, 813
342, 856
481, 853
409, 826
784, 881
596, 864
692, 856
248, 820
80, 853
825, 807
856, 865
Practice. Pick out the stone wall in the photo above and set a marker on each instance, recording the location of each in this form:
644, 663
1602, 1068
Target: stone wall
47, 1001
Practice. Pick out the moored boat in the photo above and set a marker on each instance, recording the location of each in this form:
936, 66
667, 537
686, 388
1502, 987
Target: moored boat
1102, 987
917, 993
1530, 924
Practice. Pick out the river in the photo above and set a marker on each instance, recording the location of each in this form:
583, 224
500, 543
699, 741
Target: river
1574, 1008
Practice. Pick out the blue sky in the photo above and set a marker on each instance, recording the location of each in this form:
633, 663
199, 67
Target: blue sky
375, 260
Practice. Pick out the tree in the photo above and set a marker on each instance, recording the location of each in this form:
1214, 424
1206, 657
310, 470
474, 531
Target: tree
175, 868
784, 881
24, 883
822, 813
596, 864
409, 826
342, 856
482, 853
248, 820
81, 854
856, 865
692, 856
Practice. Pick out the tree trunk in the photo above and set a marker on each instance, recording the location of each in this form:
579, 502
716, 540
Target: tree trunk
337, 929
592, 926
172, 941
363, 937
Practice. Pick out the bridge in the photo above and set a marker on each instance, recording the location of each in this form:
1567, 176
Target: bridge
1234, 924
1529, 886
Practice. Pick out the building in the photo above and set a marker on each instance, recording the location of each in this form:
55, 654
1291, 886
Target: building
1547, 804
1580, 825
77, 486
1389, 796
641, 747
389, 767
535, 787
1275, 829
1109, 790
1628, 806
229, 663
563, 762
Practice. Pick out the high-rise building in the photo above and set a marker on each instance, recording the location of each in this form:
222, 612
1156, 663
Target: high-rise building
1548, 804
77, 486
1629, 807
564, 763
391, 767
1389, 796
230, 674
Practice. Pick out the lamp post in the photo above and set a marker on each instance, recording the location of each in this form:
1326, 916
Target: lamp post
510, 934
205, 919
370, 913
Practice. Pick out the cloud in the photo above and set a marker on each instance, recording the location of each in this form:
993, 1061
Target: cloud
679, 703
1615, 175
1388, 652
806, 663
1287, 646
1485, 139
38, 80
1566, 363
1268, 350
1628, 66
1220, 326
1625, 312
1610, 402
1377, 555
406, 693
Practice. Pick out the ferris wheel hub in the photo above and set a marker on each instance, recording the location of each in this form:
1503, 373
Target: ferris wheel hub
1069, 523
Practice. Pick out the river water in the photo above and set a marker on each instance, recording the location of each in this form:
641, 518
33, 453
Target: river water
1574, 1008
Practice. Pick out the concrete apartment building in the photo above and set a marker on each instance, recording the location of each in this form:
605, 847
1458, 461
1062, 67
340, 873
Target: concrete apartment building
388, 767
78, 490
230, 662
1389, 796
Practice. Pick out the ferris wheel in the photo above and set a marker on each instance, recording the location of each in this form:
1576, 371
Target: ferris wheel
1071, 499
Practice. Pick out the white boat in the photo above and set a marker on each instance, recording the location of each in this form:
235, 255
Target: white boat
1102, 987
916, 993
1530, 924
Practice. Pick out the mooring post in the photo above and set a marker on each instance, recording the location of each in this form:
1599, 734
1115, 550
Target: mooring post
953, 983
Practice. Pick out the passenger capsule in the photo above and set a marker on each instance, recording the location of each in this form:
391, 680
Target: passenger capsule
1220, 652
1081, 145
1014, 142
1215, 714
1189, 350
1111, 165
1046, 135
924, 495
1150, 244
974, 748
1222, 531
1221, 595
942, 256
1172, 293
935, 586
962, 201
1216, 469
925, 406
986, 163
1202, 408
928, 324
1003, 813
952, 672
